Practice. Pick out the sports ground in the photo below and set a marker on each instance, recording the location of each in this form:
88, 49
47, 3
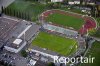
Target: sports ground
61, 45
67, 19
60, 17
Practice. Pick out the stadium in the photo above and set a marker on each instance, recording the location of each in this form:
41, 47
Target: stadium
44, 30
54, 41
60, 32
58, 37
70, 20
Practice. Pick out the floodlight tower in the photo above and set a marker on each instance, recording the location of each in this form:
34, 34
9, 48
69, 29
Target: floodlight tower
42, 18
24, 36
83, 29
87, 32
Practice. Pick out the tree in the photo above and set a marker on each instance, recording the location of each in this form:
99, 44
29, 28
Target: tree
2, 9
24, 53
97, 33
49, 5
98, 10
92, 31
81, 2
51, 64
66, 1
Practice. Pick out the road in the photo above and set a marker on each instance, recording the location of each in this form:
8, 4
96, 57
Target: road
98, 39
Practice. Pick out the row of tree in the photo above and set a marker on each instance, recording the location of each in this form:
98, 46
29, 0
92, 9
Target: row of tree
18, 14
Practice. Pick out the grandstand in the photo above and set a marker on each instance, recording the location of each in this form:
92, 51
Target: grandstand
60, 30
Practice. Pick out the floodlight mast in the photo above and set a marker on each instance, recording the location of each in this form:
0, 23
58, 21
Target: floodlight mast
24, 36
76, 49
42, 18
87, 32
83, 29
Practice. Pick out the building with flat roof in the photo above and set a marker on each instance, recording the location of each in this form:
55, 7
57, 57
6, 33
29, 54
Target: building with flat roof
15, 46
17, 41
56, 0
44, 1
16, 33
32, 62
71, 2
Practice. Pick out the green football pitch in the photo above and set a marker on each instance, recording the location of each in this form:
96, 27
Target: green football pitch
66, 20
63, 46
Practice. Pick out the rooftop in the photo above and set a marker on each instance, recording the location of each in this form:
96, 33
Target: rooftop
17, 41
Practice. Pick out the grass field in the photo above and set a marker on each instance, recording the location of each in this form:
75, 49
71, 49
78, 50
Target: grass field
31, 7
97, 34
63, 46
98, 21
94, 52
69, 21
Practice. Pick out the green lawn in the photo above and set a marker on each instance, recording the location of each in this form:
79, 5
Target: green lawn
63, 46
97, 33
98, 21
94, 52
31, 7
69, 21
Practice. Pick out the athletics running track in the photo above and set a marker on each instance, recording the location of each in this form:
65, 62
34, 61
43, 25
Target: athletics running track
90, 23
